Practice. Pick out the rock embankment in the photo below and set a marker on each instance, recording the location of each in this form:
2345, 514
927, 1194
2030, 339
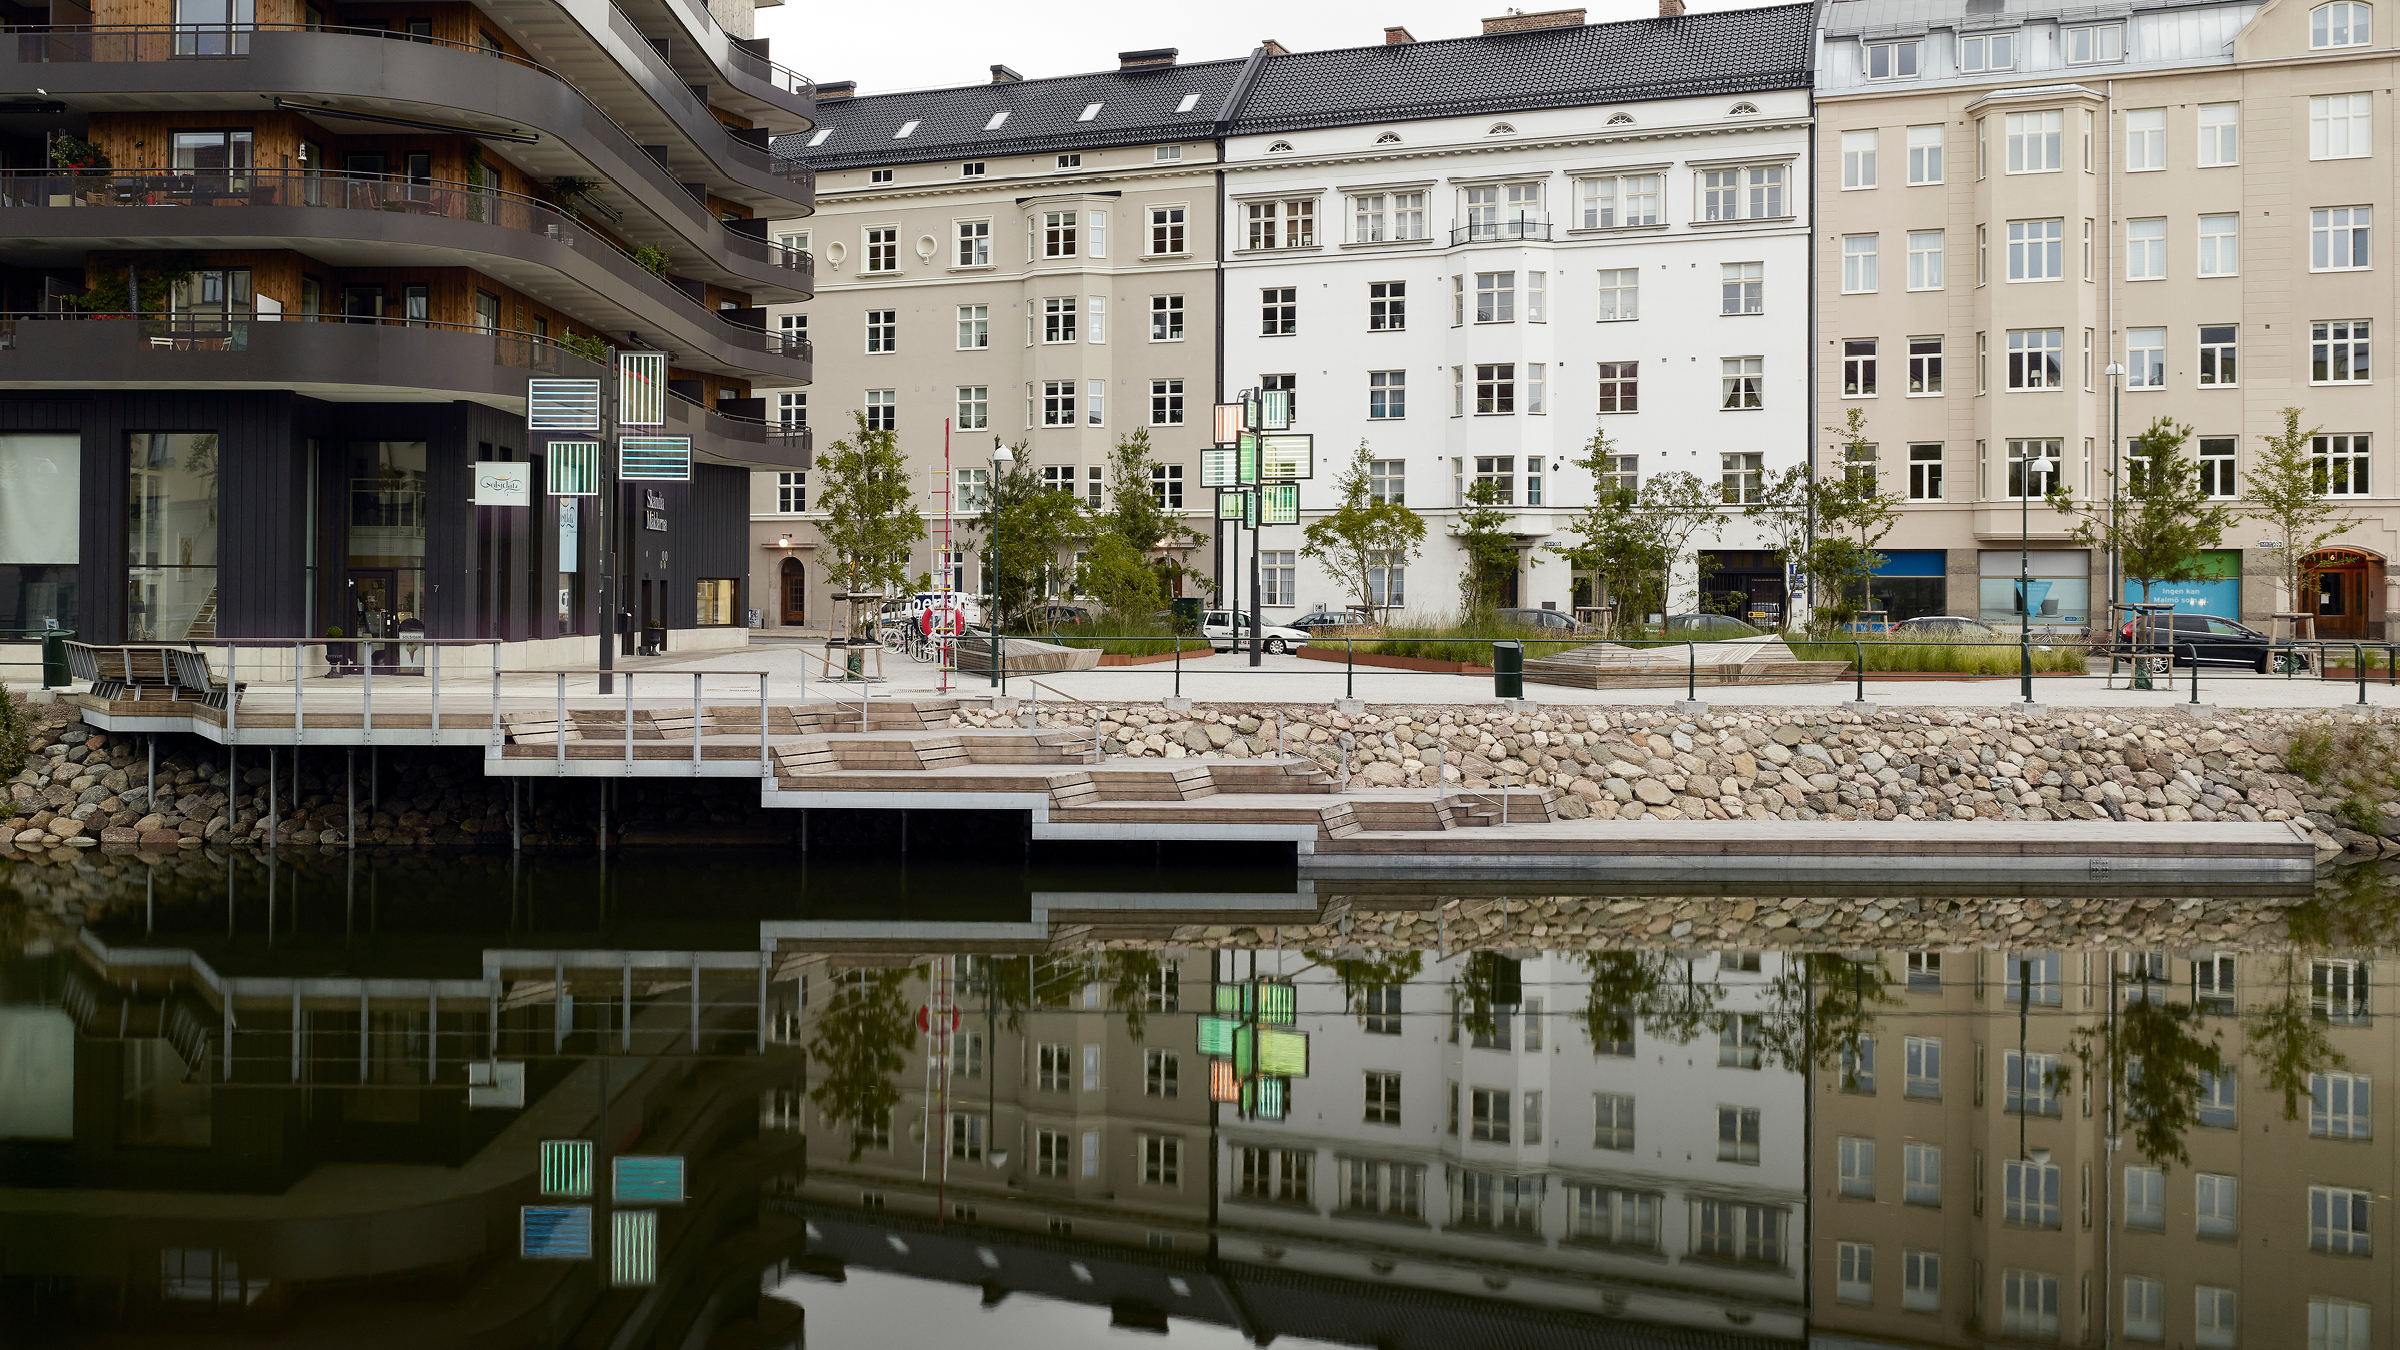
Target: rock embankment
1652, 763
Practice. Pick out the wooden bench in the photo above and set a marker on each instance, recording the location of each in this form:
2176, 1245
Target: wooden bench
121, 673
189, 672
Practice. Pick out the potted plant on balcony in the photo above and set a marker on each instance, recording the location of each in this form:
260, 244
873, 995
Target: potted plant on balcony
341, 658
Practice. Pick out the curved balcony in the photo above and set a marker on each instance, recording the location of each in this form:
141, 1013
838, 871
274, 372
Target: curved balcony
340, 361
442, 86
387, 222
1513, 230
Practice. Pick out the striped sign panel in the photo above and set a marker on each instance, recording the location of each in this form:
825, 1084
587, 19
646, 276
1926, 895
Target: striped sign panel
555, 1232
1287, 456
641, 389
1216, 466
567, 1167
1230, 502
562, 405
648, 1180
1280, 504
574, 468
659, 458
633, 1248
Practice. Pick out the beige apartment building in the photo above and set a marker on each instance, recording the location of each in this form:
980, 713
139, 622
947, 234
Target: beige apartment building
2012, 198
1966, 1187
1031, 262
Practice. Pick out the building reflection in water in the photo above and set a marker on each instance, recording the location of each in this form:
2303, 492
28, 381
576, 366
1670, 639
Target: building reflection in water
278, 1099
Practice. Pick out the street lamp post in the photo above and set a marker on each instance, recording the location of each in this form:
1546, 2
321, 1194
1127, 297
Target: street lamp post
2025, 567
2115, 372
1002, 460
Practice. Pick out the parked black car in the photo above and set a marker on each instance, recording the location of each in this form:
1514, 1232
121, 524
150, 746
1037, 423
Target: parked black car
2205, 637
1549, 621
1707, 628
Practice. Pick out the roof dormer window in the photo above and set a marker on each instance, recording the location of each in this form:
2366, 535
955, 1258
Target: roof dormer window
819, 138
2344, 23
999, 120
1988, 51
1090, 111
907, 129
1893, 60
2093, 43
1190, 101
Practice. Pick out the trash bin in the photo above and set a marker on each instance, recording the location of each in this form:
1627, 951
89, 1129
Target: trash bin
1508, 670
54, 658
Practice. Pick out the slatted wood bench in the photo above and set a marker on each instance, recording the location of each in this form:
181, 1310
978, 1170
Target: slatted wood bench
122, 673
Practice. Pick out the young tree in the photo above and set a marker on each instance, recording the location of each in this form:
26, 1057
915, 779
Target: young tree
1491, 550
1363, 533
871, 518
1026, 524
2287, 492
1124, 582
2156, 519
1631, 540
1681, 507
1853, 514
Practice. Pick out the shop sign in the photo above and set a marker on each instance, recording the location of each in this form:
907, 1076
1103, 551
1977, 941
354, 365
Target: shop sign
503, 483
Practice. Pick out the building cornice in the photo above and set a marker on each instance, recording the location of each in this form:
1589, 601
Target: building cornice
1602, 137
1105, 181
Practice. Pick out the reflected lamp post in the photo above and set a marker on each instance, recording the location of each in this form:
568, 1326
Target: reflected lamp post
1002, 461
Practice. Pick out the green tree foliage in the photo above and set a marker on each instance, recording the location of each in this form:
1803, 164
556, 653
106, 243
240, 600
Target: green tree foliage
16, 733
1491, 550
859, 1043
1133, 513
1652, 991
2289, 1044
1831, 520
2153, 1055
152, 279
1362, 533
1631, 540
1123, 581
2154, 516
1026, 525
1818, 1004
871, 520
2286, 491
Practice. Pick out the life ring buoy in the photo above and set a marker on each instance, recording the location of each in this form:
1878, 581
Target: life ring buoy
941, 622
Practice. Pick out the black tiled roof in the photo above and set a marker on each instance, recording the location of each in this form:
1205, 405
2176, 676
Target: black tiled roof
1727, 51
1137, 107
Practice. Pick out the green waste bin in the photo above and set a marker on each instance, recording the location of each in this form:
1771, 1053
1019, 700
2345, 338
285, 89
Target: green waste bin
54, 658
1508, 670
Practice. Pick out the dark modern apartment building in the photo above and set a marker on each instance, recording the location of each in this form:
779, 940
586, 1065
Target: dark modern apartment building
275, 276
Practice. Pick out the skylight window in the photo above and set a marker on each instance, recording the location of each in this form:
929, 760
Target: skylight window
1190, 101
819, 138
999, 119
1090, 111
907, 129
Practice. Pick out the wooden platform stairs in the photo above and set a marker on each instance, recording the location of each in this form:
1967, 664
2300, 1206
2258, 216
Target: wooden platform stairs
903, 755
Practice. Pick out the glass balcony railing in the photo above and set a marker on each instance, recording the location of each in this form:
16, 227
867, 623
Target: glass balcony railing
63, 44
111, 188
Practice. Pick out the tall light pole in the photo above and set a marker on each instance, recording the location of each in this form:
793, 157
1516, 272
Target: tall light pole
1002, 461
2025, 566
2116, 445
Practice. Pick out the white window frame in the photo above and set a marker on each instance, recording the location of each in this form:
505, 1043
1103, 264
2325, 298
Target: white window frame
974, 328
2035, 140
1170, 222
1168, 316
1620, 201
1859, 171
2341, 126
2220, 135
1861, 263
1925, 366
2091, 44
2340, 351
2344, 23
1987, 51
2146, 140
2145, 249
1925, 260
1620, 294
1729, 192
1925, 154
2037, 250
1901, 60
974, 241
2341, 238
2220, 240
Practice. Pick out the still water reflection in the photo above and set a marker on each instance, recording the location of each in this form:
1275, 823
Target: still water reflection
307, 1098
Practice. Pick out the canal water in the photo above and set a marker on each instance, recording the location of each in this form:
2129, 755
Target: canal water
728, 1100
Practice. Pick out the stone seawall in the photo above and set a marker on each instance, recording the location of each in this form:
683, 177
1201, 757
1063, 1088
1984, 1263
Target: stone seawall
1657, 763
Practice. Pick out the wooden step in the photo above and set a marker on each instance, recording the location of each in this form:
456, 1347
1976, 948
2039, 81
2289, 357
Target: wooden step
1374, 814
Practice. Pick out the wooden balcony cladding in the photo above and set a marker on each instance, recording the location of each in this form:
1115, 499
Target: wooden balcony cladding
450, 291
142, 140
451, 21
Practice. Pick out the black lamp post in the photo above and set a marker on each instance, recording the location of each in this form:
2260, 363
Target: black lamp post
1002, 460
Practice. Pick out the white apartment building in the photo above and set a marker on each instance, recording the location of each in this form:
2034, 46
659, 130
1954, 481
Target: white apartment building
1469, 254
1658, 1180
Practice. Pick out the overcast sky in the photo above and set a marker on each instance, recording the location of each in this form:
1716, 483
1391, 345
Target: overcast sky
943, 42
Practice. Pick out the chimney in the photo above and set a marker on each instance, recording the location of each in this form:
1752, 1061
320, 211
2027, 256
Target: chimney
1004, 75
1393, 37
1670, 9
827, 93
1517, 21
1274, 48
1156, 58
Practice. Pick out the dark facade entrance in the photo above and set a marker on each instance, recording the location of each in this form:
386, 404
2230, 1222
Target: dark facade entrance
794, 584
1745, 583
199, 515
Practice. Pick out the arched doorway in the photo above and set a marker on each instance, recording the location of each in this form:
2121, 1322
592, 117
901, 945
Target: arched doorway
794, 581
2347, 596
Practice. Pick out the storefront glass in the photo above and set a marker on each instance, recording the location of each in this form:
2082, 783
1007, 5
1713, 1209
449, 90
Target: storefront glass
386, 551
2058, 596
2220, 593
40, 530
171, 536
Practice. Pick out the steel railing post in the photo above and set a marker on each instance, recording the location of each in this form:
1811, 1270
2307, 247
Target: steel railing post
2359, 656
233, 689
696, 724
1179, 665
368, 688
1349, 668
434, 685
629, 723
766, 761
559, 729
1691, 673
1861, 645
299, 696
495, 742
2195, 650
